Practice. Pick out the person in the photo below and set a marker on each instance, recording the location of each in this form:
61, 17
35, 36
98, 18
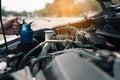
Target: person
11, 26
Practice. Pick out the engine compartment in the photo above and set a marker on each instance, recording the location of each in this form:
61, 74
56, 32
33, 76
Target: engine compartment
41, 54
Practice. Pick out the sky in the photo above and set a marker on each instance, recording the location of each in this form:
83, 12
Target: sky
24, 5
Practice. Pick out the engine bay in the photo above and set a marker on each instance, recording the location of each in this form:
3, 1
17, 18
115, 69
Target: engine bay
45, 49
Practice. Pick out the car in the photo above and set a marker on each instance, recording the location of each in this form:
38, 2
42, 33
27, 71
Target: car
84, 50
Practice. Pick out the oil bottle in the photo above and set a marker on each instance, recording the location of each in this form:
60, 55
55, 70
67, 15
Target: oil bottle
26, 33
26, 38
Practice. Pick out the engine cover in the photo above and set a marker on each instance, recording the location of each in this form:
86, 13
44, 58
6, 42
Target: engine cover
70, 66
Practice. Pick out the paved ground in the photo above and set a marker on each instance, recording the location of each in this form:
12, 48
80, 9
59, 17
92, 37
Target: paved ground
40, 23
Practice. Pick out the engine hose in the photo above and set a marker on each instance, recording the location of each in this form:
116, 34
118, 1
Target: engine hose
26, 57
42, 58
31, 52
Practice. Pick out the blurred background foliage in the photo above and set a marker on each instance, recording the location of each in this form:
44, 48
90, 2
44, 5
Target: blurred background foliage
61, 8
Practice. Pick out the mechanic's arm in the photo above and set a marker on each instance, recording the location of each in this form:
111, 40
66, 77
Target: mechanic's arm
11, 27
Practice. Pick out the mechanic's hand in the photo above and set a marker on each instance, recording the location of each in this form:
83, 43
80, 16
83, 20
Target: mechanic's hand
11, 26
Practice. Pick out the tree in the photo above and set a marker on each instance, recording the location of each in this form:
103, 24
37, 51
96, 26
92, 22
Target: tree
14, 13
64, 8
69, 8
48, 11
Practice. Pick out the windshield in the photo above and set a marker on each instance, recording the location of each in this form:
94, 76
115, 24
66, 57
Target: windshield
48, 13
